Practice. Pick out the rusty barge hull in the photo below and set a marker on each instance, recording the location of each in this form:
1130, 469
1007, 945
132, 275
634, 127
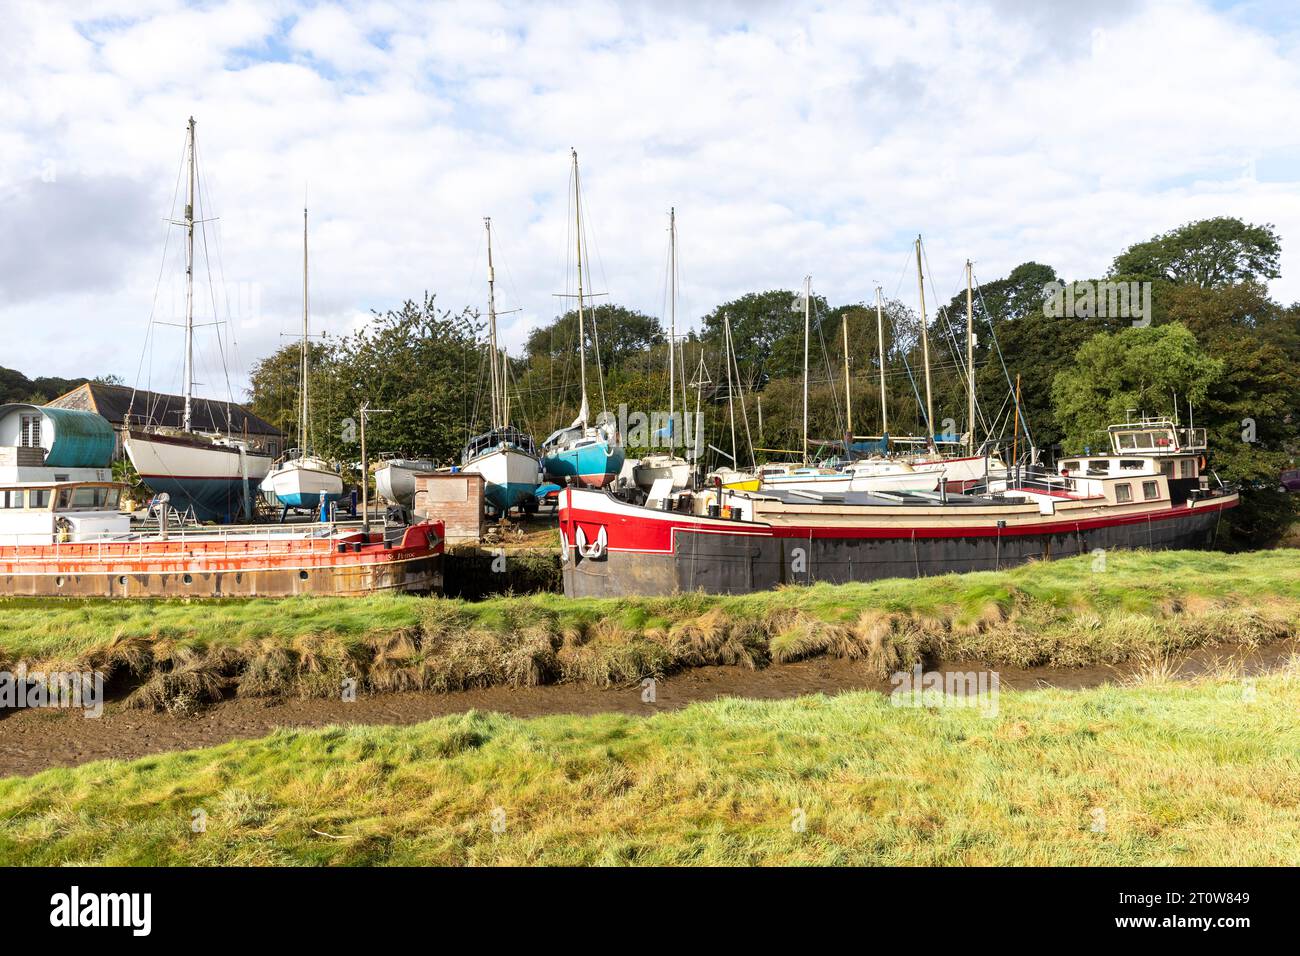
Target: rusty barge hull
350, 566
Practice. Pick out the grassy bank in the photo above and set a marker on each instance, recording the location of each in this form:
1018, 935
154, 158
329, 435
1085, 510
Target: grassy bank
1157, 774
1063, 613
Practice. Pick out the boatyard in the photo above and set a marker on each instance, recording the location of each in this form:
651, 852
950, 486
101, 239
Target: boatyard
648, 437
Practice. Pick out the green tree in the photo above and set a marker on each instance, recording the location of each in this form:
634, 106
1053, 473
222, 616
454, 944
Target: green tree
1208, 253
1138, 368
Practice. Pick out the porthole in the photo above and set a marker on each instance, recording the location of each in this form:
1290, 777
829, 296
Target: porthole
188, 579
58, 582
302, 575
121, 579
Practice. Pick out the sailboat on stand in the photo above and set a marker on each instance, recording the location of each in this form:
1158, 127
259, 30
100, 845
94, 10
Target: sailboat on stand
583, 453
304, 480
655, 467
504, 456
214, 475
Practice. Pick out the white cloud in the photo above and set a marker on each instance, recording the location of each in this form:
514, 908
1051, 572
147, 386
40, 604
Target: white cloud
791, 139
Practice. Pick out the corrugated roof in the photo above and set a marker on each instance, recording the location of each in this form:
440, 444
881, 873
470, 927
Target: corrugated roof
113, 402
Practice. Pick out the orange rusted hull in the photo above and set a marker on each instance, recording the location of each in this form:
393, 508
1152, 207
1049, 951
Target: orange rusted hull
341, 565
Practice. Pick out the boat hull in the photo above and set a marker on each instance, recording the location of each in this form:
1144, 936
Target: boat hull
216, 481
301, 487
509, 477
395, 481
592, 466
839, 482
238, 566
644, 552
654, 468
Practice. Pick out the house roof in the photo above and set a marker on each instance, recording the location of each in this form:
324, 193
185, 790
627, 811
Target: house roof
115, 401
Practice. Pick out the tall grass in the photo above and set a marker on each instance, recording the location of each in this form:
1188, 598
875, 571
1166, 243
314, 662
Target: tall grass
1158, 774
1064, 613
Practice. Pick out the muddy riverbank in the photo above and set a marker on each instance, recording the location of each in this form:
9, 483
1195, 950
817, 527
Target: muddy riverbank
35, 740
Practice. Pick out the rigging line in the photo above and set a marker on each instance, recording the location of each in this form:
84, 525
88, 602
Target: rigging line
203, 194
162, 267
516, 300
663, 313
826, 360
216, 316
1005, 371
595, 330
221, 271
962, 377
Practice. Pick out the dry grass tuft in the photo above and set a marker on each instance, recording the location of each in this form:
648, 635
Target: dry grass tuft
191, 681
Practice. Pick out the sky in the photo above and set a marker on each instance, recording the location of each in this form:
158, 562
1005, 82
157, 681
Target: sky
791, 138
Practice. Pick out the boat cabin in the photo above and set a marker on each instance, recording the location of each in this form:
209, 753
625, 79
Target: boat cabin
498, 439
43, 513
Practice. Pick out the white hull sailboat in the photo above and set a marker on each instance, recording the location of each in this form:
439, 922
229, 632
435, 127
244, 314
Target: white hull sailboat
654, 468
658, 466
395, 479
504, 456
304, 480
510, 472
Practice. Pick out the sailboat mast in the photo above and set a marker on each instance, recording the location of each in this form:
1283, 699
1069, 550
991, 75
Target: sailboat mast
848, 392
672, 324
493, 371
807, 294
189, 287
925, 352
731, 388
302, 351
970, 363
880, 343
582, 348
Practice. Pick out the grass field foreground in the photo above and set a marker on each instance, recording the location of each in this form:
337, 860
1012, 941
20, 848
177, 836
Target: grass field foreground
1185, 774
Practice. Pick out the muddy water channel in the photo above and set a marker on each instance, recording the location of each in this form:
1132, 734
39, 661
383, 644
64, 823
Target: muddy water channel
34, 740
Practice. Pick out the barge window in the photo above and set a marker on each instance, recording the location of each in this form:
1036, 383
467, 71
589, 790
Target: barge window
1123, 492
1167, 469
1187, 468
11, 499
89, 499
1150, 490
38, 498
1131, 464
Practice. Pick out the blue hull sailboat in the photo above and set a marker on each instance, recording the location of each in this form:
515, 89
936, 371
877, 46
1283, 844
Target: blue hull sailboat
584, 453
